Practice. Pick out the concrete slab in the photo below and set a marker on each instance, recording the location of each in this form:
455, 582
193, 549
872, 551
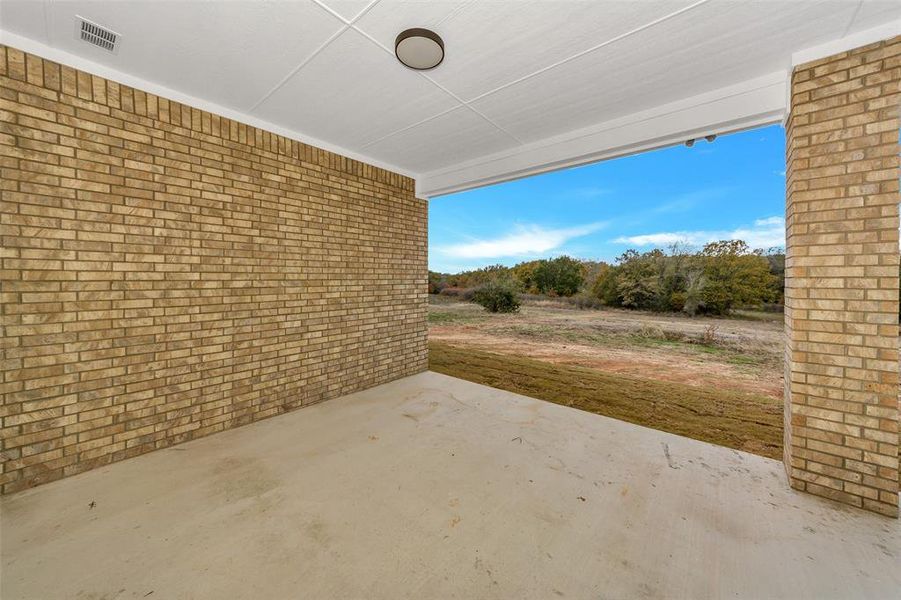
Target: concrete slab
432, 487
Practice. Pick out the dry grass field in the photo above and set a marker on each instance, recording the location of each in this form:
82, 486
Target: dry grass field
713, 379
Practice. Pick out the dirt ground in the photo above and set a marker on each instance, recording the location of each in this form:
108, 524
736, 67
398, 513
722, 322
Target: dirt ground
738, 354
732, 363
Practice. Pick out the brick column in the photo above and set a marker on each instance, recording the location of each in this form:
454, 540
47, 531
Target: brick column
842, 269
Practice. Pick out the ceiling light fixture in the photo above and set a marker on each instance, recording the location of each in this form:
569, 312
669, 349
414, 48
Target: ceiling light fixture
419, 49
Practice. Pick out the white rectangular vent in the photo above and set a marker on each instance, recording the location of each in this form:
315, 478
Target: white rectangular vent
93, 33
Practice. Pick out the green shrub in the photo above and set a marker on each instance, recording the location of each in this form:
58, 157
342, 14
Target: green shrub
464, 294
585, 300
724, 276
562, 276
735, 276
497, 296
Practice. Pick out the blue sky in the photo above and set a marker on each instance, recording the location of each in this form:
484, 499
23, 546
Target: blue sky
731, 188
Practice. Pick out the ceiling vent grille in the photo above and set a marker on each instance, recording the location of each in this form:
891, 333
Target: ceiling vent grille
97, 35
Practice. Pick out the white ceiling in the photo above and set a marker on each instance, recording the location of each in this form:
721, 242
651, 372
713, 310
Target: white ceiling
515, 73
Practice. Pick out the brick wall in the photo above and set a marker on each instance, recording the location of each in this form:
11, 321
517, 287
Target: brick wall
168, 273
842, 394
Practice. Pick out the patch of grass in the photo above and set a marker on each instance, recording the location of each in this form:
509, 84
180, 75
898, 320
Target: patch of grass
640, 339
573, 335
736, 353
738, 420
652, 342
530, 330
758, 315
743, 359
437, 317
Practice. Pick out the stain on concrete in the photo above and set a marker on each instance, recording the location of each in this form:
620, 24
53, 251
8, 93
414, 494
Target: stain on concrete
317, 531
669, 458
237, 478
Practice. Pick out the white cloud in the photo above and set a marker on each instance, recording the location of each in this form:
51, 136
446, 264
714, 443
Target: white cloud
526, 240
764, 233
655, 239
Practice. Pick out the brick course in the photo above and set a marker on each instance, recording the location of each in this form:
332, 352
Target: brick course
842, 267
168, 273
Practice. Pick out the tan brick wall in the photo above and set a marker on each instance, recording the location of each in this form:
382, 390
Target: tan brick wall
168, 273
842, 394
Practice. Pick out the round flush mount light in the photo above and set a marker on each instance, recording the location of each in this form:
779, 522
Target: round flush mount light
419, 49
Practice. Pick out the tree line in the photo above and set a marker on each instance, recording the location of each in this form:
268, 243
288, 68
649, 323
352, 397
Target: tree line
716, 279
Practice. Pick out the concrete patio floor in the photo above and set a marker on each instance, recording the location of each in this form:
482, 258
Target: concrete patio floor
432, 487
